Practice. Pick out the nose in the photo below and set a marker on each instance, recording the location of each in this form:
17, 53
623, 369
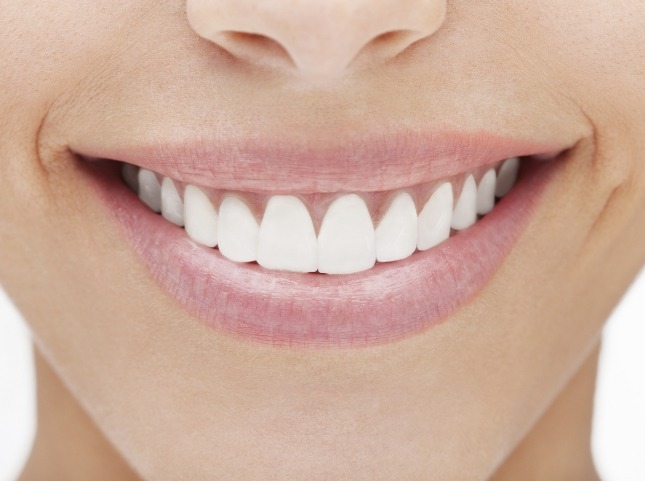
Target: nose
319, 39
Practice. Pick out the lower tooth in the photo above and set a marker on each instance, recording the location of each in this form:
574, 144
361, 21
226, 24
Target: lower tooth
149, 189
346, 241
465, 213
200, 217
507, 176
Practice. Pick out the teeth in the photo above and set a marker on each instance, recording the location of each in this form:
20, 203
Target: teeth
130, 174
346, 240
486, 192
237, 231
435, 218
287, 237
149, 189
200, 217
507, 176
396, 234
465, 213
172, 208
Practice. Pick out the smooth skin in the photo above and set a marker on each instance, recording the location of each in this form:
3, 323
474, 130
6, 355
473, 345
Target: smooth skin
131, 386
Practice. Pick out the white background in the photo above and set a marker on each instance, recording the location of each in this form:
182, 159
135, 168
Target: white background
619, 426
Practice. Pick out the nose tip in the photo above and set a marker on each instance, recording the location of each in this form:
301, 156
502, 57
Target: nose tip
314, 38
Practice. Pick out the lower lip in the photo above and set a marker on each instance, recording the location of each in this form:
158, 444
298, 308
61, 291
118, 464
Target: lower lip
388, 303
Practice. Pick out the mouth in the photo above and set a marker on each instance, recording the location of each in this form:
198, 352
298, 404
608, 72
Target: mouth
339, 233
326, 262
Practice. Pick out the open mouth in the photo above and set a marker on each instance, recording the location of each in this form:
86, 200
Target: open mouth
326, 233
325, 267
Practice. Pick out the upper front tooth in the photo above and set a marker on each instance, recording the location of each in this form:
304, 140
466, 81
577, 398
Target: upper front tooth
465, 213
287, 239
435, 218
172, 208
200, 216
149, 189
486, 193
237, 231
396, 234
346, 241
507, 176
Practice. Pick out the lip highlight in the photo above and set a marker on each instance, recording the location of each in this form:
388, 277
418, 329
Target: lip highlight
387, 303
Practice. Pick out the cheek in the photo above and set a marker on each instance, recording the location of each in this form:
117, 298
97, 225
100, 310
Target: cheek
595, 51
50, 44
48, 48
597, 47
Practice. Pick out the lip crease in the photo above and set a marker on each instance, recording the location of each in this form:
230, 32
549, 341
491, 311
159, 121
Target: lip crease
390, 302
373, 163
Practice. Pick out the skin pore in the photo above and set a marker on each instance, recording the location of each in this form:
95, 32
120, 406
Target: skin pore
131, 386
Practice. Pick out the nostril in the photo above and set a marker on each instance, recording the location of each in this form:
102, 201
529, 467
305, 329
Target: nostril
392, 36
254, 47
396, 40
318, 40
386, 45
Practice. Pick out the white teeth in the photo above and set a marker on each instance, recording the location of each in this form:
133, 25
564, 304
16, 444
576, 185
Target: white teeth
200, 217
507, 176
435, 218
396, 234
287, 238
346, 241
237, 231
130, 174
172, 208
465, 213
149, 189
486, 193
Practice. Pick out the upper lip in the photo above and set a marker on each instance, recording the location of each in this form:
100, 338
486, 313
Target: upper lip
357, 164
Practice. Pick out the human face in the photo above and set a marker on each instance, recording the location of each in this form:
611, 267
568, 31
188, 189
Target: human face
194, 365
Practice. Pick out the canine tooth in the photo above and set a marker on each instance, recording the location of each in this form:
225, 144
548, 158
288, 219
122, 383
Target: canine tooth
435, 218
130, 174
507, 176
486, 192
237, 231
465, 213
172, 208
287, 239
149, 189
396, 234
200, 217
346, 241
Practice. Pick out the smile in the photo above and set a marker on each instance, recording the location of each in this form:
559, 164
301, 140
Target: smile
396, 258
327, 233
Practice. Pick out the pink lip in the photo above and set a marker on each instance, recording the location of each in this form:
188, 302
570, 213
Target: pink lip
385, 304
373, 163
